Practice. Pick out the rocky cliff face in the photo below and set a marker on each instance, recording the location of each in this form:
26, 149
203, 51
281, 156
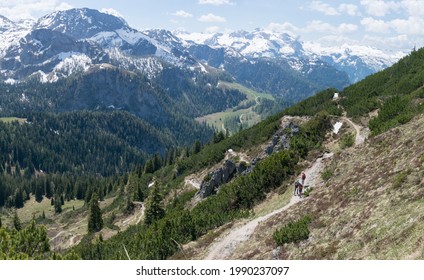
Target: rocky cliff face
231, 167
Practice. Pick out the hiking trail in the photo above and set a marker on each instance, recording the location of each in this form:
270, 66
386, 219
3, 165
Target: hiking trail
361, 133
224, 248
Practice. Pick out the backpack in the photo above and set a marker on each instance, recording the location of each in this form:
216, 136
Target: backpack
303, 176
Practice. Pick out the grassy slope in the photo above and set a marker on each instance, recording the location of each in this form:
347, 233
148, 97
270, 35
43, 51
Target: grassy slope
371, 208
12, 119
247, 115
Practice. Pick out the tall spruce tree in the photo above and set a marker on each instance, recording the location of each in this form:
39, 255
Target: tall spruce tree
154, 208
17, 222
95, 220
57, 204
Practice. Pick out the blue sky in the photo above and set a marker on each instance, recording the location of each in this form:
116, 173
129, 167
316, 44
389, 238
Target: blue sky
393, 25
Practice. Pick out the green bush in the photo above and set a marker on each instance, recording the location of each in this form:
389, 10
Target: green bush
293, 231
347, 141
308, 191
327, 174
399, 180
421, 94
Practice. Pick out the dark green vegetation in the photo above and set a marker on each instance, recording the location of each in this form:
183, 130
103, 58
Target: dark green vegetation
156, 119
397, 93
293, 231
94, 142
95, 220
159, 237
28, 243
347, 141
74, 169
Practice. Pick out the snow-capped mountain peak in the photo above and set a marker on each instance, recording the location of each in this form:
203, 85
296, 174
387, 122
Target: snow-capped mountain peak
91, 37
357, 61
80, 23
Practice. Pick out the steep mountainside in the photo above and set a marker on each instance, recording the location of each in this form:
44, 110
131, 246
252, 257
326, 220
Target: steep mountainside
93, 38
345, 213
364, 197
369, 207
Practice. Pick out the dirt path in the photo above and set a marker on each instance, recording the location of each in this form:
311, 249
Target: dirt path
68, 230
226, 246
361, 134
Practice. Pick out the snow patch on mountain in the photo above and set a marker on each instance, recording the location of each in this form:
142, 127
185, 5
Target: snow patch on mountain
11, 32
72, 63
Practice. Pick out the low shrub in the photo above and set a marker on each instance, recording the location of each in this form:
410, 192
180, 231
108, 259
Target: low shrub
327, 174
347, 141
293, 232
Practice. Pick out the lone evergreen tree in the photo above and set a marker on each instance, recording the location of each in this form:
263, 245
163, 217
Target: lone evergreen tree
17, 222
57, 204
154, 209
95, 220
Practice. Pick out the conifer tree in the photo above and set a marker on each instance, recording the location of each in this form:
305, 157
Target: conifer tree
197, 147
154, 208
19, 199
17, 222
95, 220
57, 204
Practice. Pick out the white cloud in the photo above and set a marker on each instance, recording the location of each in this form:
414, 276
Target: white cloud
323, 8
375, 25
410, 26
212, 29
63, 7
350, 9
285, 27
324, 27
182, 14
334, 40
328, 10
313, 27
413, 7
211, 18
380, 8
394, 43
112, 12
22, 9
216, 2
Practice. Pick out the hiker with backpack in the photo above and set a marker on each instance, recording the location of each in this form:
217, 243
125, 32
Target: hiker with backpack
299, 189
303, 178
296, 187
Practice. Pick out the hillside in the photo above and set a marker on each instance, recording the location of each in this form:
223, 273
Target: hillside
366, 203
222, 205
364, 199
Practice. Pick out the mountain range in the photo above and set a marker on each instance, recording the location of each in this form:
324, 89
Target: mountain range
101, 158
83, 59
64, 42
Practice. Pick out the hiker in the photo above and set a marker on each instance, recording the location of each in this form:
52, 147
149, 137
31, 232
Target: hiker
300, 190
303, 178
296, 187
